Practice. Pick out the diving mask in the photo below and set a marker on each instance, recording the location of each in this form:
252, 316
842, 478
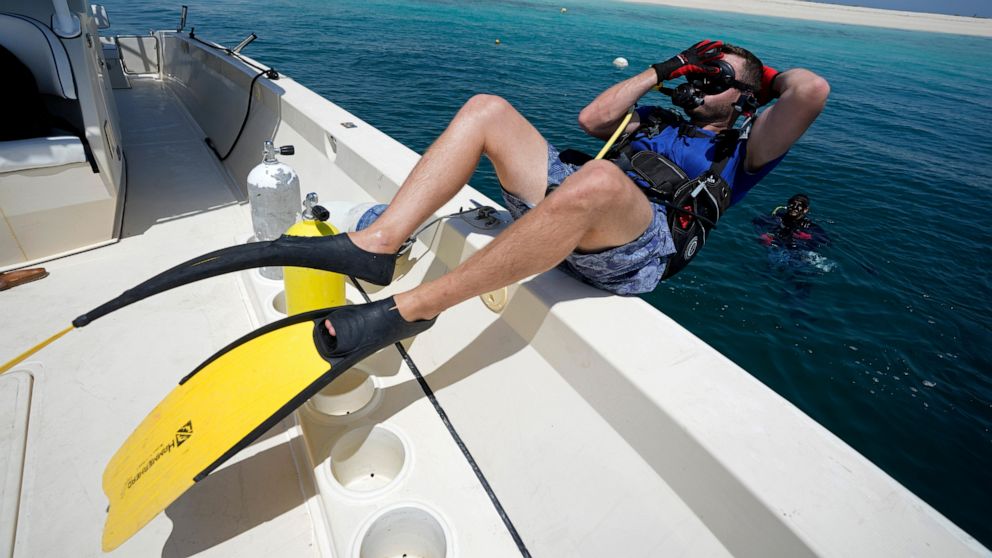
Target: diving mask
714, 84
691, 94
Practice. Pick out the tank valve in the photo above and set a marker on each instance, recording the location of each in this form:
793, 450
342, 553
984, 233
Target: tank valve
270, 151
312, 211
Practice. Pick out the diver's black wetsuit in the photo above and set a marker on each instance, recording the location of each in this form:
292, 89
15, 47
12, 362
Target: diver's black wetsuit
803, 234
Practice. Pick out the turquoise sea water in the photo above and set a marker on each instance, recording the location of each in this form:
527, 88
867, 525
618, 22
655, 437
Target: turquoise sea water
879, 337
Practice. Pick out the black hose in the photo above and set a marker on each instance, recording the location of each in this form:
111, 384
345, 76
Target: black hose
269, 73
450, 427
244, 122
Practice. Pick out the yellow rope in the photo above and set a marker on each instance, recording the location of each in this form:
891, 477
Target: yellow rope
34, 350
616, 134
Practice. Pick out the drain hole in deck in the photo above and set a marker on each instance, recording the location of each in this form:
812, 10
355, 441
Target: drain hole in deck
347, 394
367, 459
408, 531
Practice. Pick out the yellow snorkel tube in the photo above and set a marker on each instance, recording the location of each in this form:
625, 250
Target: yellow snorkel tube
616, 134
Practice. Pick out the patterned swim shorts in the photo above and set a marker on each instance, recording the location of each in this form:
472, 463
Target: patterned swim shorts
634, 268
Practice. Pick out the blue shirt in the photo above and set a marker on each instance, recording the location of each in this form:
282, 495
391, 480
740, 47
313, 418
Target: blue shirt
695, 156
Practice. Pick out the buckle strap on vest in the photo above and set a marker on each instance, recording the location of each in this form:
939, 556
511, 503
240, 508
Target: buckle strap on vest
660, 119
694, 205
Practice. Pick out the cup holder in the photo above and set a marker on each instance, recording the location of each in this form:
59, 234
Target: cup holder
268, 275
367, 460
409, 530
279, 302
348, 394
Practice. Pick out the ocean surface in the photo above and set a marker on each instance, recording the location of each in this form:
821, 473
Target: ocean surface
882, 337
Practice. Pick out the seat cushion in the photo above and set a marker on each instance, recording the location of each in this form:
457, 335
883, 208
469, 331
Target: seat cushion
41, 51
24, 113
39, 153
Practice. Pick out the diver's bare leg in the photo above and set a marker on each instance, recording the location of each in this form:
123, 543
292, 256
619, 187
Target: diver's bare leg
485, 125
596, 208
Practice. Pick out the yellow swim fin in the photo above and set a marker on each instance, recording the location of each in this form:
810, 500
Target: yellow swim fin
232, 399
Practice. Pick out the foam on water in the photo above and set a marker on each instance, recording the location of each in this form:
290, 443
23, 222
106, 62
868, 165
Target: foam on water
799, 261
818, 261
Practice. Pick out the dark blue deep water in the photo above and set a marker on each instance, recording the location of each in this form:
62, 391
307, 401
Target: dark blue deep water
879, 337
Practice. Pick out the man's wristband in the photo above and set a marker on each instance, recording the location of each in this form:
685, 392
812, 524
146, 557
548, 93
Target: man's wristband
659, 70
768, 77
665, 69
771, 83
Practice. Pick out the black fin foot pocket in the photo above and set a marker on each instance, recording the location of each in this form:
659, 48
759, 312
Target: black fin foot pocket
363, 329
339, 254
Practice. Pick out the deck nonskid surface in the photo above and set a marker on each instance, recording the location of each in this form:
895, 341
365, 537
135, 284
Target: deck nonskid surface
171, 173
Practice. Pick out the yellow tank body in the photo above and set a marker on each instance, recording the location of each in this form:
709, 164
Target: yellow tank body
310, 289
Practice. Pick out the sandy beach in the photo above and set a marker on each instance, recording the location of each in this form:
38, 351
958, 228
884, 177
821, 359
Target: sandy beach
834, 13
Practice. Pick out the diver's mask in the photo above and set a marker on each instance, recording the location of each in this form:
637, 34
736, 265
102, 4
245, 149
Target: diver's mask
691, 94
797, 207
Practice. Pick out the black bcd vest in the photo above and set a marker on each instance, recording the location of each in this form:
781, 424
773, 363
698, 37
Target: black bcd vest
694, 204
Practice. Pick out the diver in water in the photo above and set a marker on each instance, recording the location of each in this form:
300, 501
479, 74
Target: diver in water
793, 239
790, 227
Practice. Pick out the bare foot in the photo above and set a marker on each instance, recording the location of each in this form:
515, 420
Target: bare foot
373, 241
409, 308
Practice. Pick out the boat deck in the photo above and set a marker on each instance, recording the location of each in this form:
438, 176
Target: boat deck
171, 172
92, 387
603, 427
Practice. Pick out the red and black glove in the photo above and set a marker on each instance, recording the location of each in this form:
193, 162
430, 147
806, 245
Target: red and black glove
767, 91
693, 60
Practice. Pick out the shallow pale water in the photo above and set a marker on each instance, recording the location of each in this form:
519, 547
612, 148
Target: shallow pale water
881, 337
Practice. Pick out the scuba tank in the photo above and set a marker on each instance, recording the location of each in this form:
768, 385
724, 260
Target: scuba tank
274, 198
310, 289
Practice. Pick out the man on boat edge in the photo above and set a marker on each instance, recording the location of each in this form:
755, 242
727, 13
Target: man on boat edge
610, 223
